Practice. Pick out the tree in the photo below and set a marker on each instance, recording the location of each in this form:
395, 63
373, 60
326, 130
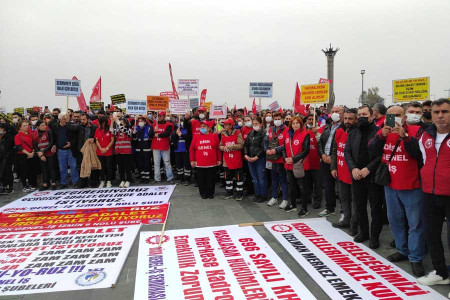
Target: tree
371, 97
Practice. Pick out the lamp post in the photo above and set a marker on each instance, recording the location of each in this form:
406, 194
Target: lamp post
362, 85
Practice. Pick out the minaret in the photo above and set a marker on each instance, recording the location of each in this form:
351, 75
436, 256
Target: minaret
330, 53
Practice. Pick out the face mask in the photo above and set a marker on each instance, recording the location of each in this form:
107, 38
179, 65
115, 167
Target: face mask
286, 123
399, 121
268, 119
33, 123
256, 128
55, 116
240, 124
309, 126
167, 118
363, 121
150, 117
427, 115
335, 117
277, 123
413, 118
2, 133
203, 130
201, 116
15, 120
248, 124
141, 124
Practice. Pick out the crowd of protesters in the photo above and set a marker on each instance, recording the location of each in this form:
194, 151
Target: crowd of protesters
394, 159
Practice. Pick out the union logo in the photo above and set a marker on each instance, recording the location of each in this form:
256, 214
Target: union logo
154, 239
428, 143
91, 277
37, 194
281, 228
296, 142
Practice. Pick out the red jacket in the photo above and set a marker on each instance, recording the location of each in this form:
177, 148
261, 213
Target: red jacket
344, 174
25, 141
282, 134
205, 150
104, 139
245, 131
312, 161
297, 146
380, 121
233, 159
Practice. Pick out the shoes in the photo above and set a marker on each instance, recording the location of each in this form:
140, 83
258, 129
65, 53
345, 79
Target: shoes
340, 224
374, 243
397, 256
303, 212
187, 182
283, 204
122, 183
326, 213
108, 184
417, 269
261, 199
272, 202
155, 182
353, 229
145, 180
341, 218
392, 244
239, 198
211, 197
228, 197
43, 188
290, 208
101, 185
204, 197
171, 181
432, 279
362, 237
127, 184
8, 190
54, 187
195, 184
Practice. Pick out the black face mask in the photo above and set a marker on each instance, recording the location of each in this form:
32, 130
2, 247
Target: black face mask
55, 116
427, 115
286, 123
363, 121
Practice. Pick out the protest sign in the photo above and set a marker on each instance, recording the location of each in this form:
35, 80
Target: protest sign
6, 117
217, 111
188, 87
67, 87
37, 108
227, 262
193, 103
19, 110
342, 268
79, 218
315, 93
157, 103
63, 260
323, 80
178, 106
260, 89
137, 107
28, 109
274, 106
206, 105
118, 99
96, 105
171, 95
90, 198
411, 89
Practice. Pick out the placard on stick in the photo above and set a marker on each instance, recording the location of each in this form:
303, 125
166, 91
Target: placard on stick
118, 99
96, 105
157, 103
411, 89
315, 93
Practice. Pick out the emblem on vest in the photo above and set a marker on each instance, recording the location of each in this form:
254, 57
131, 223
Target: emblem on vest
280, 137
296, 142
428, 143
448, 143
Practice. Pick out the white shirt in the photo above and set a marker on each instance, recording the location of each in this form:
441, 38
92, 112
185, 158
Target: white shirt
439, 139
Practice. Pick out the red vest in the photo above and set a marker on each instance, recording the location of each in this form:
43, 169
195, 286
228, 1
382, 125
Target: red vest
161, 143
43, 142
312, 161
123, 143
205, 150
233, 159
297, 145
342, 169
434, 173
24, 140
403, 167
104, 138
380, 121
281, 138
245, 131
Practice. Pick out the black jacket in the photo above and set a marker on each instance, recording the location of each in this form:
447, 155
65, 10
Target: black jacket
324, 138
351, 150
71, 136
254, 144
80, 134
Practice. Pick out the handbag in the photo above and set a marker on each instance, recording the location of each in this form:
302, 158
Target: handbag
297, 168
382, 176
273, 143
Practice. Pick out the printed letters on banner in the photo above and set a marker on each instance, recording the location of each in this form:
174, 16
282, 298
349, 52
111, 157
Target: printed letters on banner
63, 260
90, 198
342, 268
228, 262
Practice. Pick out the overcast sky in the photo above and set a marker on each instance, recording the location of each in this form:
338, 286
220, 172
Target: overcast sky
224, 44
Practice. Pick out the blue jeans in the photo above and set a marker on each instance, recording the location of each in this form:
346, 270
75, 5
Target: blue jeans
165, 154
65, 158
258, 172
279, 177
409, 202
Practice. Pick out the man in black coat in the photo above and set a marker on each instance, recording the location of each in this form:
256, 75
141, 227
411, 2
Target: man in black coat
85, 132
363, 167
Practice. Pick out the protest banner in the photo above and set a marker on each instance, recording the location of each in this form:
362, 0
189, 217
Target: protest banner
157, 103
411, 89
6, 117
315, 93
206, 105
188, 87
67, 87
171, 95
179, 106
137, 107
96, 105
63, 260
118, 99
274, 106
193, 103
342, 268
19, 110
79, 218
261, 89
227, 262
218, 111
323, 80
90, 198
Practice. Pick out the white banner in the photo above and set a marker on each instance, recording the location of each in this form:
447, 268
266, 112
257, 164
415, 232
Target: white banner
63, 260
274, 106
188, 87
345, 269
137, 107
67, 87
90, 198
179, 106
260, 89
227, 262
217, 111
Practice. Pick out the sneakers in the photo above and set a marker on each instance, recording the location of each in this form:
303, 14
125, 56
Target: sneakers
101, 185
326, 213
303, 212
127, 184
108, 184
283, 204
290, 208
341, 218
239, 198
432, 279
272, 202
28, 189
228, 197
122, 183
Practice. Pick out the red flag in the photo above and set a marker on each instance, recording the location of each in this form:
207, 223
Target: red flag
173, 83
245, 111
203, 97
280, 110
96, 95
234, 107
254, 106
299, 108
323, 80
80, 99
112, 108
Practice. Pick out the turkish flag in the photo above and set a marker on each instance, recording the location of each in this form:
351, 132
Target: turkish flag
96, 95
254, 106
280, 110
245, 111
80, 99
203, 97
299, 108
234, 107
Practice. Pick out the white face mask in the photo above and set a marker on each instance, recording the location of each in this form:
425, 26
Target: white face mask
201, 116
240, 124
15, 120
335, 117
141, 124
399, 121
413, 118
309, 126
257, 128
34, 122
277, 123
248, 124
268, 119
167, 118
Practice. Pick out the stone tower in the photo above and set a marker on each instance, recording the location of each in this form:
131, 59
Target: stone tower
330, 53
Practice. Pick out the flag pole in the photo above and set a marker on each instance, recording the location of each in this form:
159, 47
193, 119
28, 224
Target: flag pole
164, 227
67, 103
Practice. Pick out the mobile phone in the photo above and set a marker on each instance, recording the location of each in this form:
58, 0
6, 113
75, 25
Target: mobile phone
390, 120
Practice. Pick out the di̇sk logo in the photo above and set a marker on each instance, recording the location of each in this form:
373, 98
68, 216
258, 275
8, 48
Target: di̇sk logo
37, 194
448, 143
296, 142
428, 143
154, 239
280, 137
281, 228
162, 188
91, 277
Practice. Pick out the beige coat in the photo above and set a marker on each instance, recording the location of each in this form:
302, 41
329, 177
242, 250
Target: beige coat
90, 160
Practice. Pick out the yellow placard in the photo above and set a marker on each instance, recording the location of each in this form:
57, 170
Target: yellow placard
411, 89
206, 105
315, 93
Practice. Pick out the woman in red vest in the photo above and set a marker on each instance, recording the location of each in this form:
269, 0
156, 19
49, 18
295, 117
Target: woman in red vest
205, 155
123, 136
25, 158
105, 140
45, 148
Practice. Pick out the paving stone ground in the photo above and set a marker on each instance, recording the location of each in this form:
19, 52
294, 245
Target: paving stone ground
188, 210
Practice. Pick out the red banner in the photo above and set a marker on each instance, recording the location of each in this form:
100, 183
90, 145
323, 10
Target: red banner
254, 106
96, 95
203, 97
323, 80
80, 99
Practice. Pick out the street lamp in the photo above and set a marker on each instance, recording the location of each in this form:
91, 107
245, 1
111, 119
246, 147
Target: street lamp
362, 85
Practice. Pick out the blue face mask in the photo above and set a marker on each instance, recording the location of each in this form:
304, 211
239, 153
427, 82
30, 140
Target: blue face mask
203, 130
